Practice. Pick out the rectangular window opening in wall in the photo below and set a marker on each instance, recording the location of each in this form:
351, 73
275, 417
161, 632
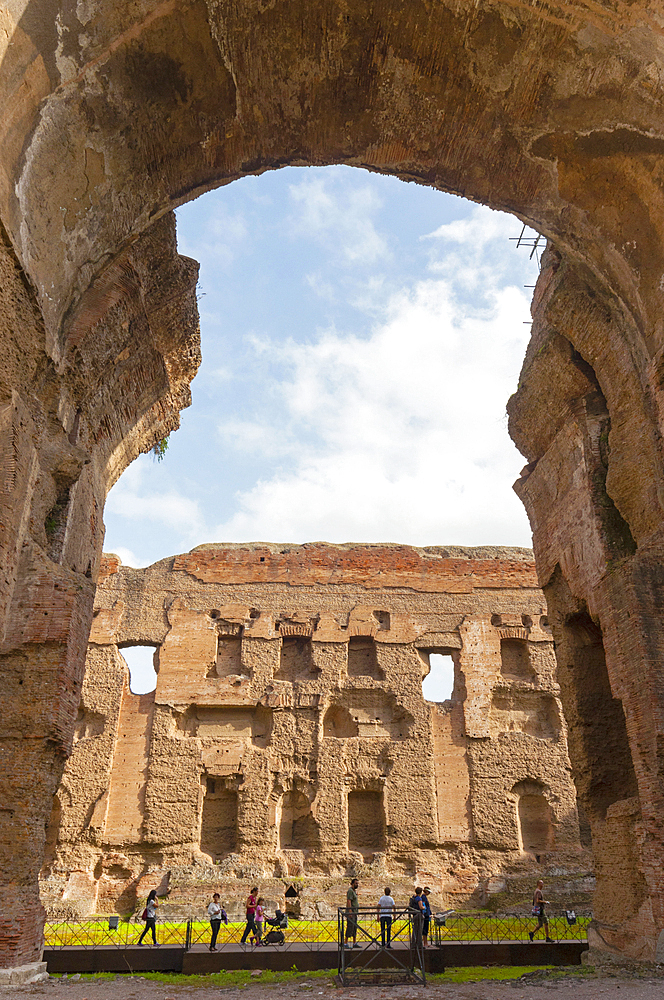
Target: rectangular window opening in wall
363, 658
143, 664
438, 685
219, 820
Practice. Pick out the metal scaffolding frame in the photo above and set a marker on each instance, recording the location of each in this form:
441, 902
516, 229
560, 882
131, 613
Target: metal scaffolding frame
371, 962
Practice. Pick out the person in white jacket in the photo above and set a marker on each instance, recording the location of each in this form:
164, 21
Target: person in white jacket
214, 913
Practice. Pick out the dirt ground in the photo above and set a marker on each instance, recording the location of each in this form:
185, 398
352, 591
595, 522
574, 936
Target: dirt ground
618, 985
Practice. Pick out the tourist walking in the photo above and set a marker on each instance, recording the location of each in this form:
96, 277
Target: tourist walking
214, 913
259, 917
252, 903
352, 906
426, 915
150, 917
386, 910
539, 903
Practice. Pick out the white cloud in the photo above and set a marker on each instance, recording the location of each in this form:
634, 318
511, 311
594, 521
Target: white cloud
222, 233
255, 437
476, 254
127, 557
339, 215
175, 512
406, 437
321, 287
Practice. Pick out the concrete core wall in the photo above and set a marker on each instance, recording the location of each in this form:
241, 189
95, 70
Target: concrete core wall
288, 735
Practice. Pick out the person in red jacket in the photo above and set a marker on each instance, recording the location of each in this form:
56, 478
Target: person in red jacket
252, 903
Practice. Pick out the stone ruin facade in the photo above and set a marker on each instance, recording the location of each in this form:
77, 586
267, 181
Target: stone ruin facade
114, 113
288, 737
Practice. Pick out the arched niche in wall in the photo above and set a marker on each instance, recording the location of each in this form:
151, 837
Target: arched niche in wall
535, 819
295, 658
363, 658
339, 723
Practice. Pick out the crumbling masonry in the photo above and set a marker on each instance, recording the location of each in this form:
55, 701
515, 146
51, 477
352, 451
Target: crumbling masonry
288, 735
114, 113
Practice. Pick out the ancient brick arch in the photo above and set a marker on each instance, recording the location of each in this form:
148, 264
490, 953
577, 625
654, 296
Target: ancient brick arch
113, 113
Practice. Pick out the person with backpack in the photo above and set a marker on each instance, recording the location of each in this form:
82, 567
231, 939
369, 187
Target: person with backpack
426, 915
250, 928
214, 913
416, 907
149, 915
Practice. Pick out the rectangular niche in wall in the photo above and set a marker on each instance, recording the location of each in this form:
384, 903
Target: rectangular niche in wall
229, 656
535, 819
295, 661
362, 658
515, 661
298, 829
366, 822
219, 821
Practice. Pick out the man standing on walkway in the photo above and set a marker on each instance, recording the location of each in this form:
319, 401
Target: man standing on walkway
386, 910
416, 907
426, 915
352, 906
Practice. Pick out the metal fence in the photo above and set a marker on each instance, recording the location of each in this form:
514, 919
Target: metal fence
496, 928
311, 934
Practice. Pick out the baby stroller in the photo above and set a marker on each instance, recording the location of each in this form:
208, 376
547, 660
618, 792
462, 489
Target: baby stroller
279, 923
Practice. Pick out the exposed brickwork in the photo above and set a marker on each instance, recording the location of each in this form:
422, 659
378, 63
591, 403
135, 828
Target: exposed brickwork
56, 463
288, 734
552, 111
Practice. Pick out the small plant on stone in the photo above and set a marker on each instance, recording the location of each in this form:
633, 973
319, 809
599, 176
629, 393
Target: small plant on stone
160, 448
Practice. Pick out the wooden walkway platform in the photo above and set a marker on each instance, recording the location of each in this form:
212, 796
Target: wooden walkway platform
200, 961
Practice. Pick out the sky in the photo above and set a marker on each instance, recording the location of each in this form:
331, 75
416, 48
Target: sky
360, 339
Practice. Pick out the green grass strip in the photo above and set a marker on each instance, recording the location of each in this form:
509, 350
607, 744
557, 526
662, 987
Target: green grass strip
243, 977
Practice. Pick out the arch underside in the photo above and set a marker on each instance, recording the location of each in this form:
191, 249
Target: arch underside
115, 113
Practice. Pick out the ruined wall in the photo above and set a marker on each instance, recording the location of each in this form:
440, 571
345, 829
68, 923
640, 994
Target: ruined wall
288, 735
113, 113
67, 430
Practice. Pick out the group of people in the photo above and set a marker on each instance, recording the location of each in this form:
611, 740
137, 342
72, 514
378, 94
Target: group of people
255, 917
386, 908
420, 908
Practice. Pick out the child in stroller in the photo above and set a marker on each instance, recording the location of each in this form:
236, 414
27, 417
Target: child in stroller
278, 923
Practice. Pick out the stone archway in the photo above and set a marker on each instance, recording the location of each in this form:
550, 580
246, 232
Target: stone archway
113, 114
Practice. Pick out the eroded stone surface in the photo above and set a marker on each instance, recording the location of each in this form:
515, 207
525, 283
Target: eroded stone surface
288, 735
113, 113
